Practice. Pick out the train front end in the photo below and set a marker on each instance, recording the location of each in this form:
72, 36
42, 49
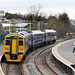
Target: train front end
14, 47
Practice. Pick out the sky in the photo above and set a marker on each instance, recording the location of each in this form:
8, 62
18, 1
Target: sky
49, 7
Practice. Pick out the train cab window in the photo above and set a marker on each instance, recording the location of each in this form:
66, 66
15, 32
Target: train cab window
20, 38
21, 43
8, 38
7, 42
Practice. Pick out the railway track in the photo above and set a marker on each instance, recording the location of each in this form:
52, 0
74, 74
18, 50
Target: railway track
36, 63
11, 68
37, 57
41, 64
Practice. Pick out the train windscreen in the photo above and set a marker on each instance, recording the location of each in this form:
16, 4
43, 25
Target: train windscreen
7, 42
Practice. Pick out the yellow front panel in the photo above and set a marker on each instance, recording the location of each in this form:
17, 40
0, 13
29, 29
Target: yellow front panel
19, 58
14, 46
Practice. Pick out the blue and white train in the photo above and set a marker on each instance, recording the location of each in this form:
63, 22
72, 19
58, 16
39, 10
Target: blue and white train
16, 45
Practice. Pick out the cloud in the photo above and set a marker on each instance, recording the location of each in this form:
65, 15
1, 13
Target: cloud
48, 6
57, 11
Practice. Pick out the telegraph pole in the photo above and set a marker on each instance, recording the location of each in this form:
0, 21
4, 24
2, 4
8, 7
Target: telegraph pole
38, 25
30, 25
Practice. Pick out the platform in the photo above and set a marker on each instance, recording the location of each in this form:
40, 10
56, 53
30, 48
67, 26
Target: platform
65, 50
63, 53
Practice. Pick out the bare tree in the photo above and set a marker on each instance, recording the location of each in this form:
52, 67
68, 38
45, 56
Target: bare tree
34, 10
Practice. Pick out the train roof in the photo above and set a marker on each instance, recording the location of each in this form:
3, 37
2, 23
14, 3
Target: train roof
14, 33
37, 32
50, 30
21, 33
24, 33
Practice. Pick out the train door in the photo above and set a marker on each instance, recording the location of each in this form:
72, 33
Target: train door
14, 45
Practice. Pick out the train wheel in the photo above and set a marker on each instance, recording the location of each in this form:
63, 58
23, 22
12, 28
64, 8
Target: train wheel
3, 58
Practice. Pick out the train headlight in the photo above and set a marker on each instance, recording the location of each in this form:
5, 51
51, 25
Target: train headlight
6, 48
21, 48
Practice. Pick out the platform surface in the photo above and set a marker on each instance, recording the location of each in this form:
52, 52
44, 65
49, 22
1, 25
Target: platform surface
65, 50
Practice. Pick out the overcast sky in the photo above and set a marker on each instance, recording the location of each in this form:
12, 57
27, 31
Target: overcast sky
49, 7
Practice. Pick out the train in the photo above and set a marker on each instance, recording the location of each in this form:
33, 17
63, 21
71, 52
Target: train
18, 44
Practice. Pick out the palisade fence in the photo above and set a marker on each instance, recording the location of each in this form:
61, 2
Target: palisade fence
2, 36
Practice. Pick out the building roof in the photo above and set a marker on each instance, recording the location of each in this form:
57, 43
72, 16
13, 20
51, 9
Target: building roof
2, 13
5, 24
21, 24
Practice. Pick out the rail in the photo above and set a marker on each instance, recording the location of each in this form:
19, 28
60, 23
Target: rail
36, 58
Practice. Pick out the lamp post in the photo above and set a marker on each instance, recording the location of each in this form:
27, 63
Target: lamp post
38, 25
54, 27
20, 27
30, 25
9, 27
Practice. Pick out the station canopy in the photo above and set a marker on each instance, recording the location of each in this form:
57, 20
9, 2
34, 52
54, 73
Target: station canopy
21, 24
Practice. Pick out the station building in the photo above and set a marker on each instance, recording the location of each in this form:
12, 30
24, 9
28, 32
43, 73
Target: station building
2, 16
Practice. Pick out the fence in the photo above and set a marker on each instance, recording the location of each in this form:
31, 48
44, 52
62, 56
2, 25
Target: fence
2, 36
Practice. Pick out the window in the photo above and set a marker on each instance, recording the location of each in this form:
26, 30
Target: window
20, 38
7, 42
20, 42
38, 36
8, 38
22, 34
48, 34
35, 37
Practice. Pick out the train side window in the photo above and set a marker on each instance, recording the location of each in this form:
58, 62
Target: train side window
7, 42
48, 34
21, 43
40, 36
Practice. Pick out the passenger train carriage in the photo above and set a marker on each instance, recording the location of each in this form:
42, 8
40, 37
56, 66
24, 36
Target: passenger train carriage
37, 37
16, 45
50, 36
27, 39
